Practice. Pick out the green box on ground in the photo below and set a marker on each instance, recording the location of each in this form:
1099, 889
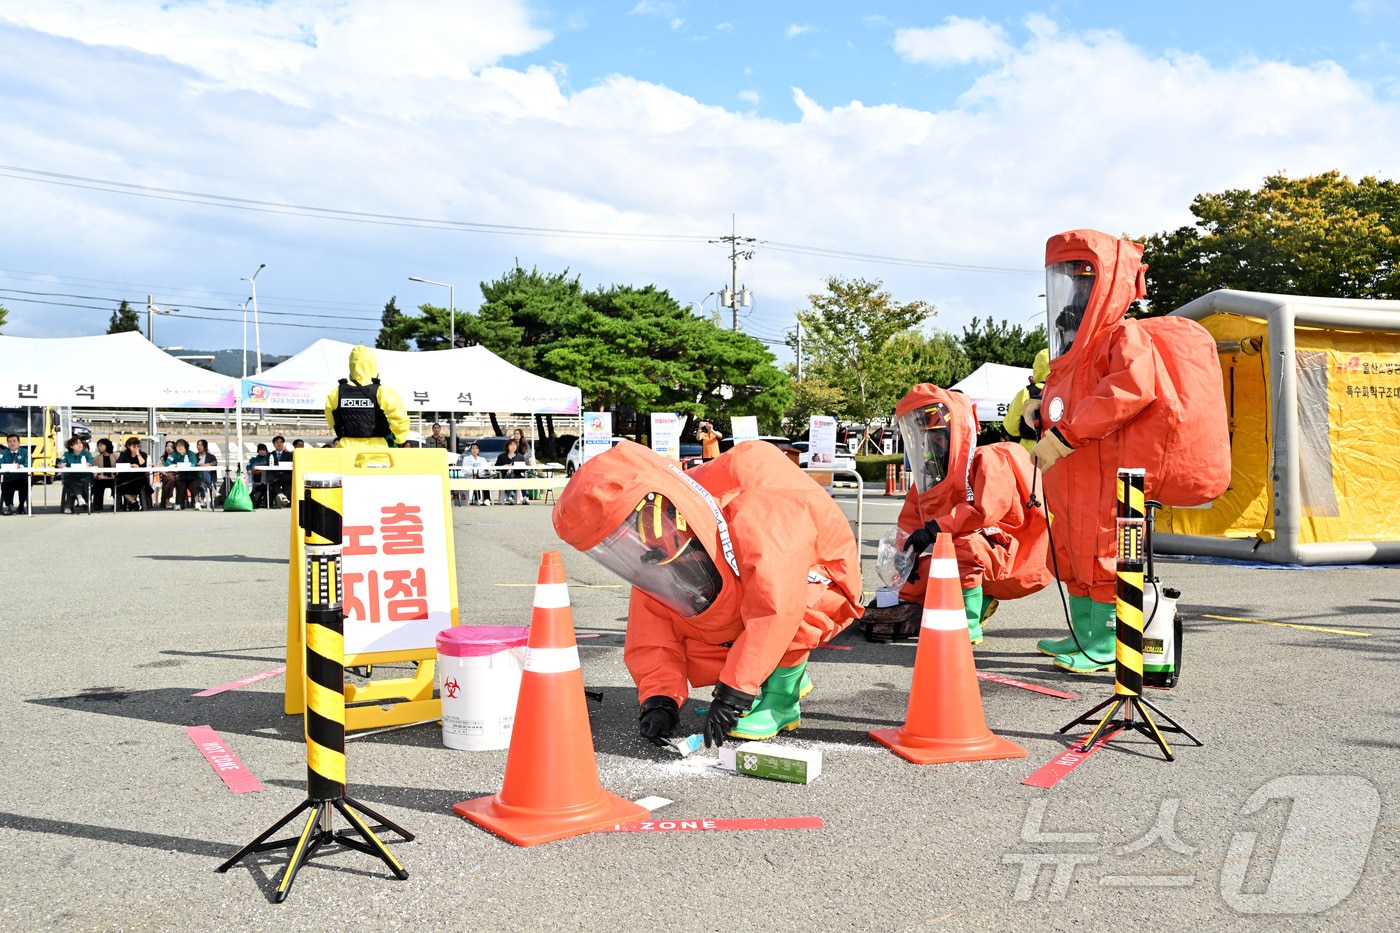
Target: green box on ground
774, 762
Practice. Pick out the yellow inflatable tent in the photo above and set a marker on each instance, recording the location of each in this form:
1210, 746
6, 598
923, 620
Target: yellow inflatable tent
1313, 391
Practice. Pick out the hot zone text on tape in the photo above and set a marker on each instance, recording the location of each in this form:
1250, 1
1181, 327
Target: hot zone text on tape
243, 682
222, 759
669, 826
1065, 762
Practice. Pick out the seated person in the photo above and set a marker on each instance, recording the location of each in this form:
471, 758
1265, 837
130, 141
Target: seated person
475, 466
133, 489
188, 482
102, 481
13, 459
202, 457
512, 457
257, 478
279, 482
77, 484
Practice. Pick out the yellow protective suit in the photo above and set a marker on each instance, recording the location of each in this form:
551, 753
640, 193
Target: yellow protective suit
364, 369
1013, 424
787, 561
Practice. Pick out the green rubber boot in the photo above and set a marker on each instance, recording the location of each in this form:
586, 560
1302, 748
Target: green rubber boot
777, 709
1099, 647
1078, 620
972, 606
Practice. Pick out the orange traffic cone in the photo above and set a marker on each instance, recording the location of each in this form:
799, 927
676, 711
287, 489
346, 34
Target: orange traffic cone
551, 788
945, 720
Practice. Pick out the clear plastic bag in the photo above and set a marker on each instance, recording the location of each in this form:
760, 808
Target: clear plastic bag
892, 561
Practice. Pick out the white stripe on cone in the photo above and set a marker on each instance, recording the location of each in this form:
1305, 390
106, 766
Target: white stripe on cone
944, 567
554, 660
551, 595
945, 620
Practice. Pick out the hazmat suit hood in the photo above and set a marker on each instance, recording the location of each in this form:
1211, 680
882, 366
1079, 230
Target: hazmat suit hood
364, 365
1119, 276
1040, 369
953, 494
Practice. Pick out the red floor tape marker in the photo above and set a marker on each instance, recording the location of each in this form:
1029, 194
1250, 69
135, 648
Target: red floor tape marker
836, 647
1034, 688
234, 685
222, 759
669, 826
1066, 761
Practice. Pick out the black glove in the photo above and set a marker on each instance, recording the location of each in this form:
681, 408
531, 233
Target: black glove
659, 718
919, 541
725, 709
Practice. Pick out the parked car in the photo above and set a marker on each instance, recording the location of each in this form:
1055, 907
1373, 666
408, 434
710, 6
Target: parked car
575, 458
692, 455
845, 460
492, 446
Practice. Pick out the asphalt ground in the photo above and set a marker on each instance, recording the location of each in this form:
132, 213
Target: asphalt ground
111, 820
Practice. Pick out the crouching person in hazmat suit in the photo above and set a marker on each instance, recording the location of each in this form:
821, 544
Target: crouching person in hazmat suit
1120, 393
363, 413
978, 495
739, 568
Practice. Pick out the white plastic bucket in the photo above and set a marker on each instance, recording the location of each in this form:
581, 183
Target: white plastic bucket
478, 679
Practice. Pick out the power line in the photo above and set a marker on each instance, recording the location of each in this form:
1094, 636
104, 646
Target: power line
330, 213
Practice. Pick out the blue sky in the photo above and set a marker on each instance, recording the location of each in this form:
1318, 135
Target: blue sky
955, 136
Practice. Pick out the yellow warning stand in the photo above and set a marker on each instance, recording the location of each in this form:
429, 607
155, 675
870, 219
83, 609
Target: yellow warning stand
389, 702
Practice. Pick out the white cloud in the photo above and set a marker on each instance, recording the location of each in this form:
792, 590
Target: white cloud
958, 41
1070, 129
797, 29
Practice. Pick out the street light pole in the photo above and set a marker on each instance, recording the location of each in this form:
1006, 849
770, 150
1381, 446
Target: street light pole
451, 345
257, 333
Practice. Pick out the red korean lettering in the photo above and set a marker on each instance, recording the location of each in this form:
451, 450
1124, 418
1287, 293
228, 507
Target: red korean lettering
401, 528
353, 546
406, 592
366, 610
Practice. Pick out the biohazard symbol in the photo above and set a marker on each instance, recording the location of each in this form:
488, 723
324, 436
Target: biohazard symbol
450, 686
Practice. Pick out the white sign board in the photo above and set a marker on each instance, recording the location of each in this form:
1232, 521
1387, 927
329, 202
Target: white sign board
666, 434
744, 428
821, 441
394, 563
597, 433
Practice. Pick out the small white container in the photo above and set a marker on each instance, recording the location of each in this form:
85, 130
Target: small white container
478, 679
886, 597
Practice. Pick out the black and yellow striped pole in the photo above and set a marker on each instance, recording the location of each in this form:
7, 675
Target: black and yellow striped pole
321, 511
1133, 546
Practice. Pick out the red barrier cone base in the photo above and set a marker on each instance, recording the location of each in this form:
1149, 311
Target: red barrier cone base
526, 826
922, 751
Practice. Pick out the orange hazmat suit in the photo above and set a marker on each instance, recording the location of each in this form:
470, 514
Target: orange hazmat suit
1001, 545
788, 568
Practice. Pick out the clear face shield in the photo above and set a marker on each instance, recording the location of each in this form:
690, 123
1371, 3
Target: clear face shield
927, 434
1068, 286
657, 552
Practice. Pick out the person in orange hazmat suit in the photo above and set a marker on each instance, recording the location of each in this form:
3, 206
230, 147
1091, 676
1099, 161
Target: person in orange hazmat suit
1108, 402
979, 495
739, 568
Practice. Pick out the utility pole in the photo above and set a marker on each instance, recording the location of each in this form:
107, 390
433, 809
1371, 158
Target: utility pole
732, 297
799, 349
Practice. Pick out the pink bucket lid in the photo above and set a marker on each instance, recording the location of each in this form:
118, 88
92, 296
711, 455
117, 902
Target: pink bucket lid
475, 641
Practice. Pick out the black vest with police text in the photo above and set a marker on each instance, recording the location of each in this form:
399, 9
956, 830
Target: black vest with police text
358, 413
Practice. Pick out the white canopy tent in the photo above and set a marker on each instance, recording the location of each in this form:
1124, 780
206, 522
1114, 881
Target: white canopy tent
464, 379
108, 371
992, 387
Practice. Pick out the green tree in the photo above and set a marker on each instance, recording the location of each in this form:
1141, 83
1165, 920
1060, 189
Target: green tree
3, 314
1001, 342
1322, 235
123, 319
810, 397
848, 330
395, 328
638, 348
521, 313
913, 357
